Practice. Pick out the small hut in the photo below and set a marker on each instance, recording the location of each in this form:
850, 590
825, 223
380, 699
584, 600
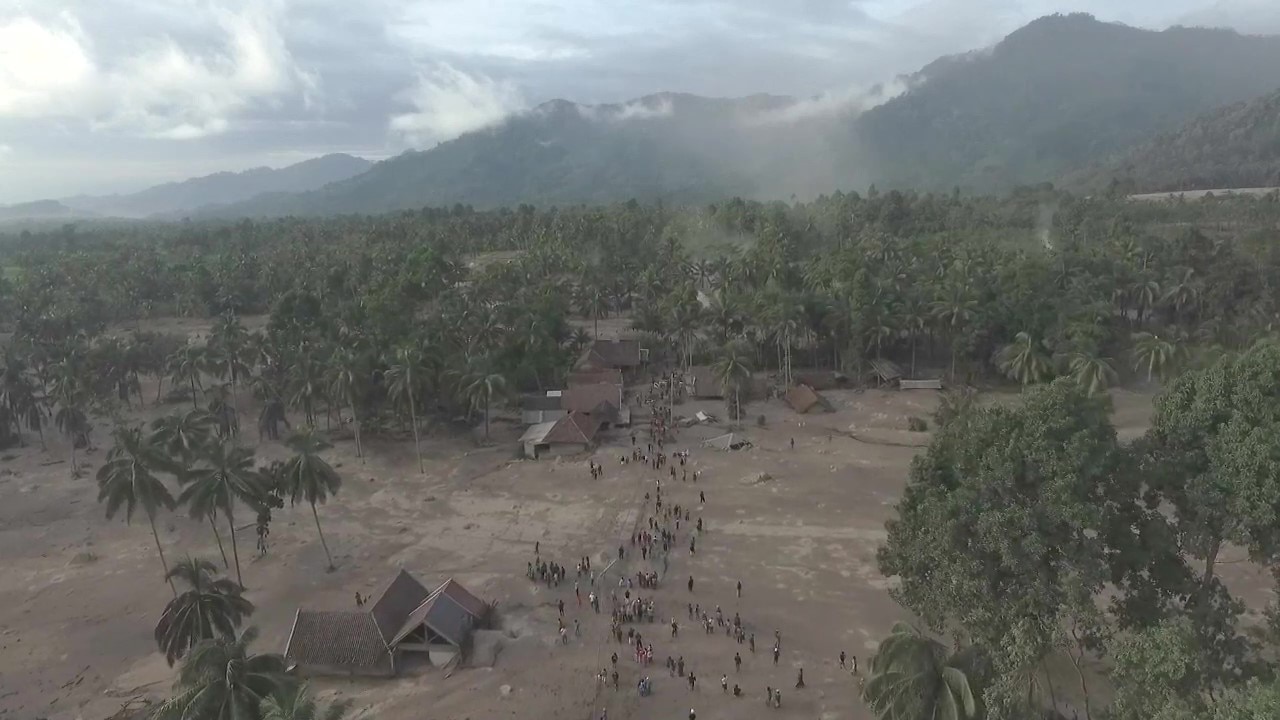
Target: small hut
571, 434
804, 399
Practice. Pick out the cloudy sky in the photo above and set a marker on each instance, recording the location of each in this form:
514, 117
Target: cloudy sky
114, 95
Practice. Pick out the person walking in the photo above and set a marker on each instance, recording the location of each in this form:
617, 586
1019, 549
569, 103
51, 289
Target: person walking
690, 583
724, 684
693, 681
739, 584
800, 679
776, 651
841, 659
737, 662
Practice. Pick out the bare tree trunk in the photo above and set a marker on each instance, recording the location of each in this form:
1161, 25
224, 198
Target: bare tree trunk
218, 536
323, 544
1053, 694
1077, 661
417, 443
159, 384
163, 563
235, 551
355, 421
194, 405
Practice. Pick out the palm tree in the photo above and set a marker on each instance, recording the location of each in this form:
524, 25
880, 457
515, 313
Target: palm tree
211, 607
481, 385
1024, 360
184, 437
404, 382
954, 312
224, 474
309, 477
306, 382
127, 479
1157, 355
229, 353
184, 367
348, 378
296, 703
912, 678
1093, 374
72, 398
732, 370
221, 680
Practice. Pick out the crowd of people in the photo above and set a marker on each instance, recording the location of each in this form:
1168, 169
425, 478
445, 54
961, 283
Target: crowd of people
663, 527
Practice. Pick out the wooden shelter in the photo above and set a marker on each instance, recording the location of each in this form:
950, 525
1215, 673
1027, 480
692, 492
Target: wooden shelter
571, 434
803, 399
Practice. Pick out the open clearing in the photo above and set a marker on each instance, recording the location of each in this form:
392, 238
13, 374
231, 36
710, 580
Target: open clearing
79, 595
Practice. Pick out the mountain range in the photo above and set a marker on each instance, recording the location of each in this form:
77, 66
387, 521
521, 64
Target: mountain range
222, 188
1066, 97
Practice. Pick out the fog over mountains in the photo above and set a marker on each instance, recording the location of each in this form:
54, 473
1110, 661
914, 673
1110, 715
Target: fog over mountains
1063, 97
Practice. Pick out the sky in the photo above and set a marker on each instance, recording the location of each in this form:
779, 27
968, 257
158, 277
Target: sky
100, 96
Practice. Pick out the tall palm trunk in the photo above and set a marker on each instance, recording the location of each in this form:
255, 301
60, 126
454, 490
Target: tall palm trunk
355, 420
218, 537
486, 417
417, 443
194, 404
163, 563
159, 385
235, 551
323, 544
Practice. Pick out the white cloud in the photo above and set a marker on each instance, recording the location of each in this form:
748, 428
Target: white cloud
847, 101
162, 89
447, 102
5, 151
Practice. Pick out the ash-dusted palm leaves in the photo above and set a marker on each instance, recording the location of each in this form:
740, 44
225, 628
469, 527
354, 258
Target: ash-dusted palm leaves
210, 607
128, 481
733, 370
914, 678
308, 477
348, 382
221, 680
72, 396
1025, 360
404, 377
296, 703
185, 366
229, 354
224, 474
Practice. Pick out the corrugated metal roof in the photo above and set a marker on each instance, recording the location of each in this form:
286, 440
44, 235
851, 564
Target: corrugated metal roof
400, 597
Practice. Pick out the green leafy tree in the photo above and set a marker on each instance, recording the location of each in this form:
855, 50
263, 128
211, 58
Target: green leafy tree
308, 477
211, 607
1047, 473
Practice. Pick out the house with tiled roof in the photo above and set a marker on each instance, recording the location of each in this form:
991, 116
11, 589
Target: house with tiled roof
405, 618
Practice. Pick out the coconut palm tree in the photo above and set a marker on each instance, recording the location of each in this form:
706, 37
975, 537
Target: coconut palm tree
72, 397
1093, 374
184, 437
1157, 355
306, 382
307, 476
221, 680
954, 313
210, 607
732, 370
296, 703
229, 353
348, 381
224, 474
913, 678
128, 480
481, 385
185, 366
404, 378
1025, 360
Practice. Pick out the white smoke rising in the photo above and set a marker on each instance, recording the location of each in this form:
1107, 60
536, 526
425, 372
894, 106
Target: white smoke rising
644, 109
448, 102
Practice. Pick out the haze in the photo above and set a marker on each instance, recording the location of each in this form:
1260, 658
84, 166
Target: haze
115, 95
